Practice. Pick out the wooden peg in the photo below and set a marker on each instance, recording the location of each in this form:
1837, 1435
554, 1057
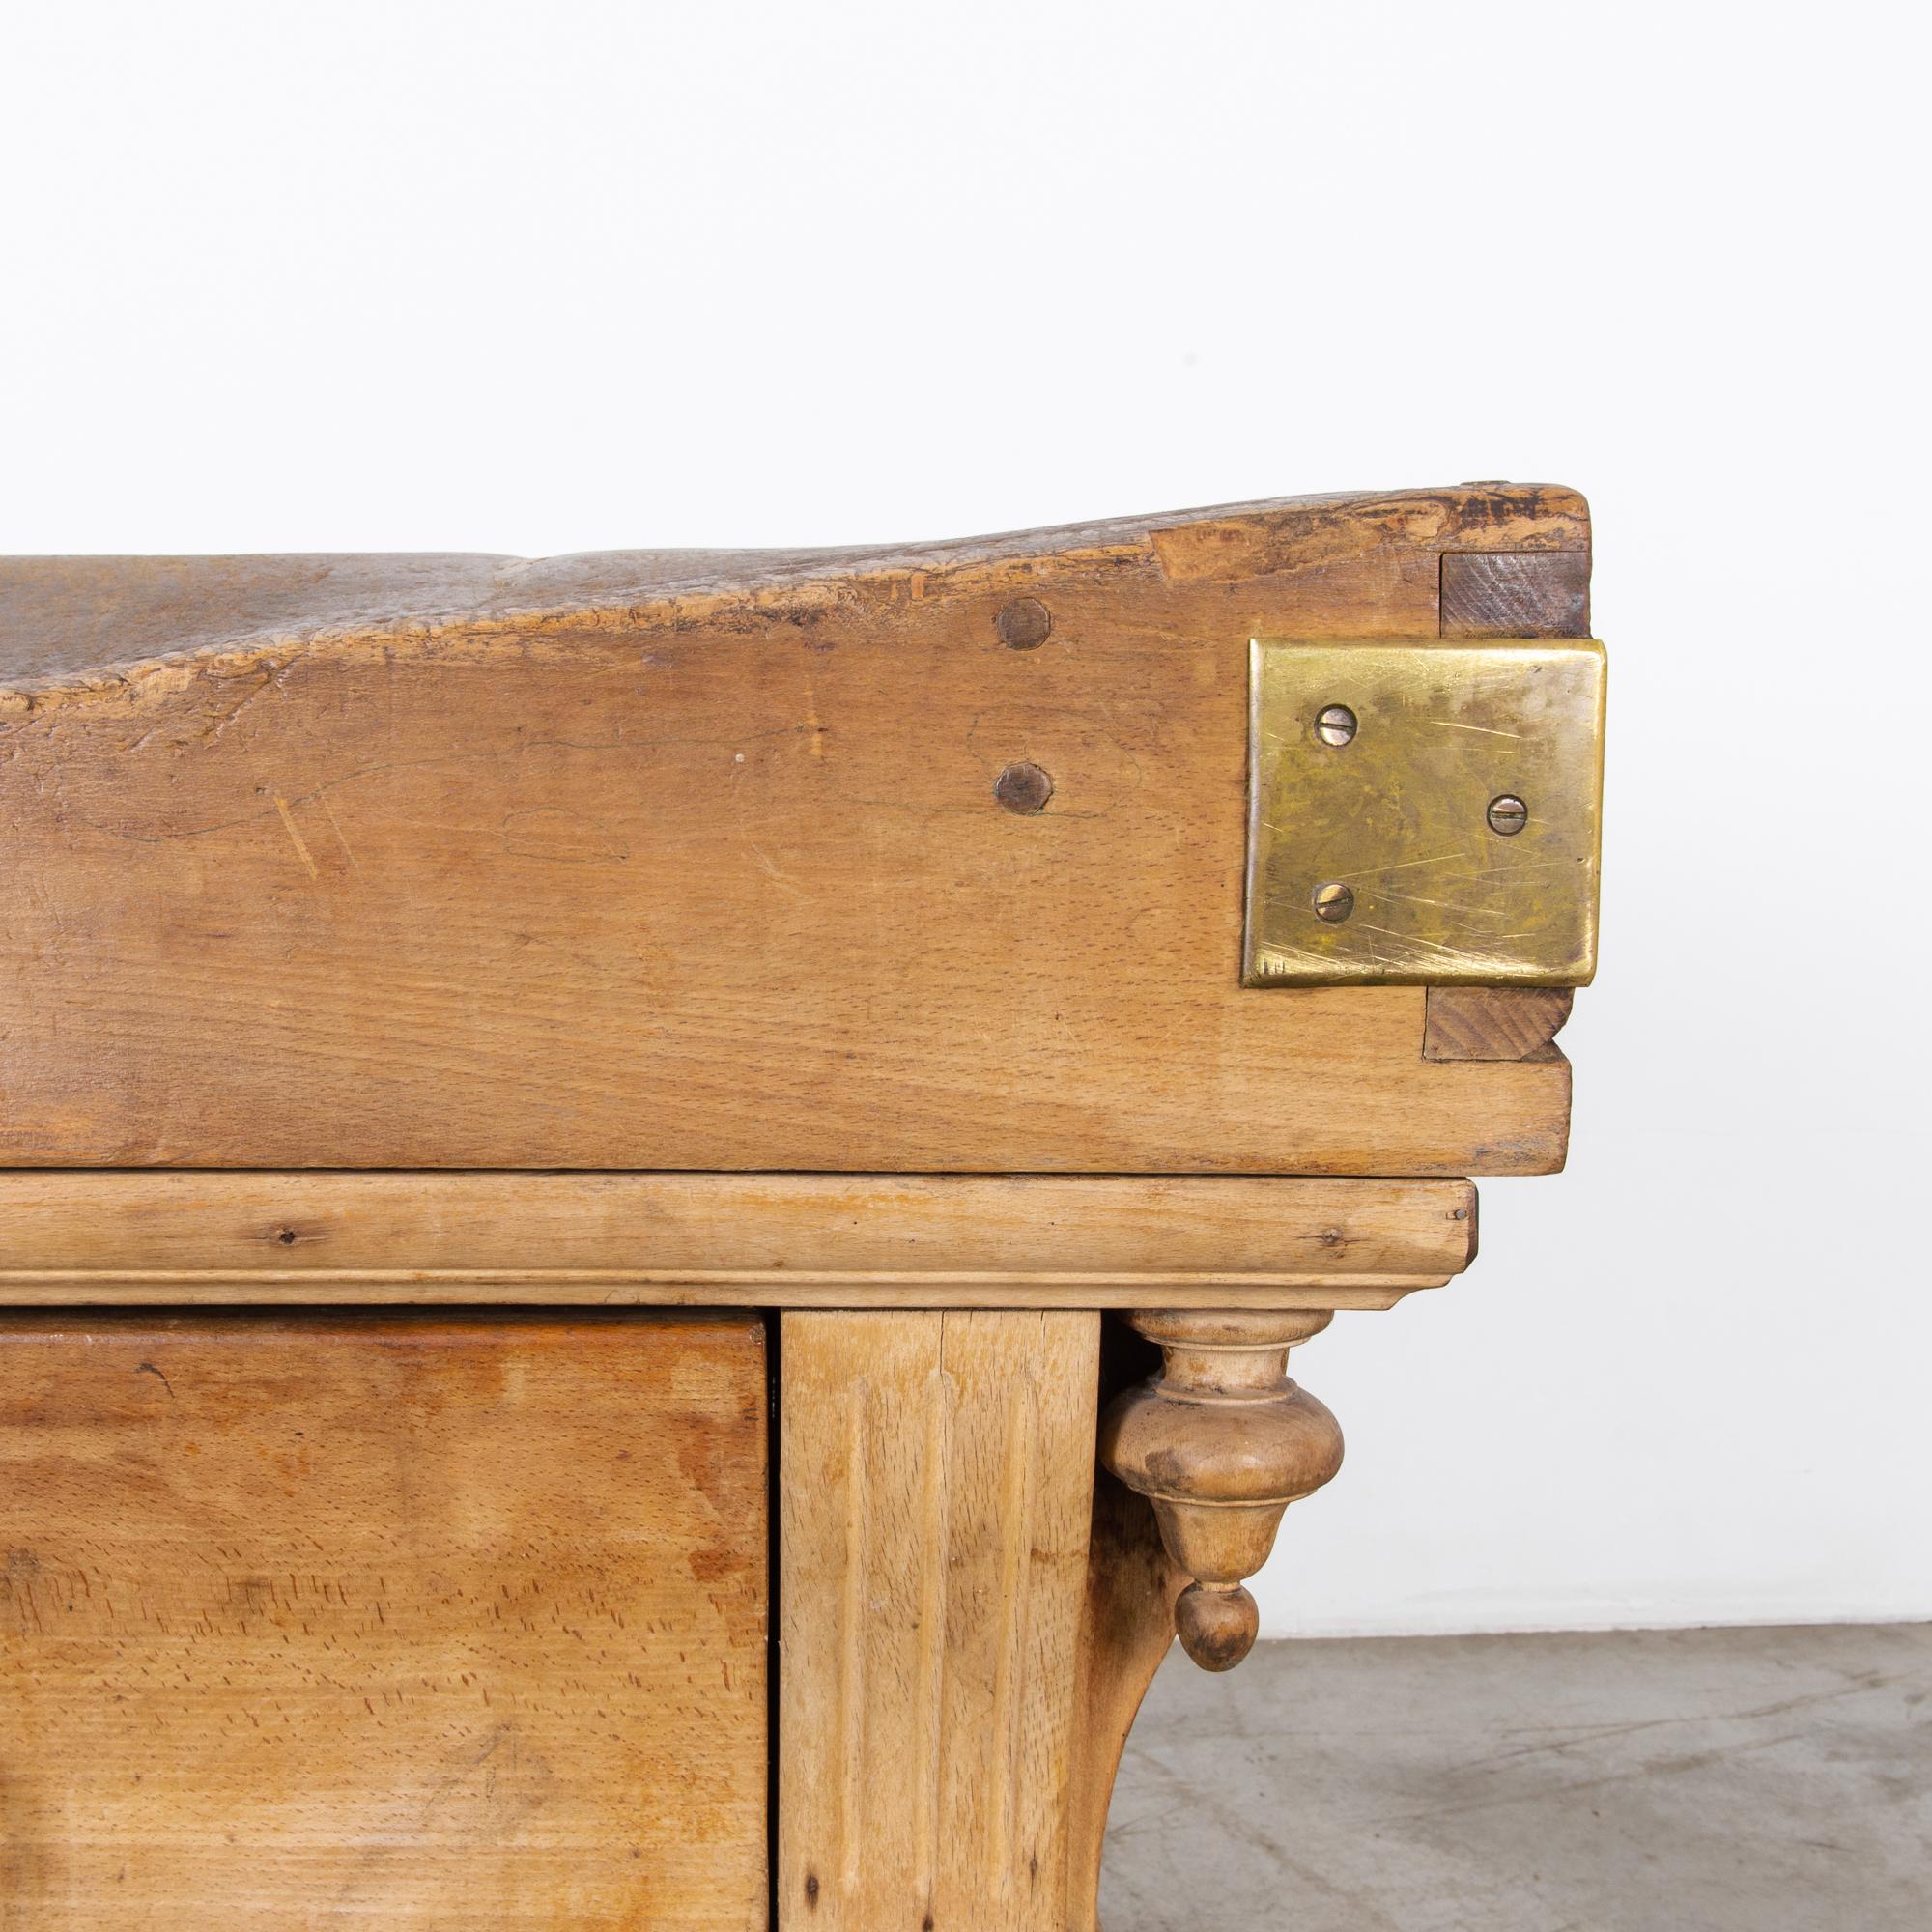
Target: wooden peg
1221, 1441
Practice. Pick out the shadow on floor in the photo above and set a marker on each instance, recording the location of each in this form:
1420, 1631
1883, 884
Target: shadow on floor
1768, 1780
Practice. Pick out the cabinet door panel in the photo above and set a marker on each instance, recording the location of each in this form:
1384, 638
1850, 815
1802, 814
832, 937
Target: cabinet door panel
386, 1622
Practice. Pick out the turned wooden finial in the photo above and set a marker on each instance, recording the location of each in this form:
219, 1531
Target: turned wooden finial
1221, 1442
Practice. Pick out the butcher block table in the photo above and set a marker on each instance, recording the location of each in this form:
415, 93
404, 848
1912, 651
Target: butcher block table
654, 1204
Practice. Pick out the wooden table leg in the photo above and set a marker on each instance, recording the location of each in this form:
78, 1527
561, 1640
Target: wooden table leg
971, 1613
936, 1486
969, 1619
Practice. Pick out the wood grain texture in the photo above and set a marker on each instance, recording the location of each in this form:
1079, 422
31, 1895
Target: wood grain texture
68, 618
761, 1241
1495, 1022
937, 1474
1126, 1630
376, 1623
1516, 594
694, 860
1221, 1441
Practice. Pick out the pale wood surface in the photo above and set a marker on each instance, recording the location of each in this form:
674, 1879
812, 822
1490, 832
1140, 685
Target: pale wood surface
755, 1240
380, 1622
936, 1477
659, 861
1220, 1441
1126, 1630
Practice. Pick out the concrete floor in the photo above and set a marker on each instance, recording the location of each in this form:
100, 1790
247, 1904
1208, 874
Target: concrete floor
1768, 1780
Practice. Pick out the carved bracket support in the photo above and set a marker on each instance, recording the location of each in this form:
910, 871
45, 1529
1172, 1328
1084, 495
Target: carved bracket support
1221, 1441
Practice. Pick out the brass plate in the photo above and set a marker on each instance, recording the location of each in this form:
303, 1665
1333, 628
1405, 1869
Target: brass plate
1399, 815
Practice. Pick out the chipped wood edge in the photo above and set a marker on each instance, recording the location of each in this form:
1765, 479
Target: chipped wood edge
493, 597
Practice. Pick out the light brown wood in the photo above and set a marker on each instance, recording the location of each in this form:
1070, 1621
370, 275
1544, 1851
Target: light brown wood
856, 933
1495, 1022
1221, 1441
1127, 1631
696, 862
936, 1477
382, 1623
765, 1240
65, 619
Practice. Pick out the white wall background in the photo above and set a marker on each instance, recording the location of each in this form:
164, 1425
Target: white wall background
566, 277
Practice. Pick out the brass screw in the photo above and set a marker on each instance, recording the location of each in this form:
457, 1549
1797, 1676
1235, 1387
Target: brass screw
1508, 815
1333, 903
1335, 725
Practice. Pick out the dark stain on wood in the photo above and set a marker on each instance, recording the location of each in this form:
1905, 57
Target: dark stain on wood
1516, 593
1493, 1022
1024, 788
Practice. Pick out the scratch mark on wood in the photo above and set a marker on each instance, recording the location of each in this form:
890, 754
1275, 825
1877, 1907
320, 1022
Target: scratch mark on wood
302, 849
816, 731
336, 826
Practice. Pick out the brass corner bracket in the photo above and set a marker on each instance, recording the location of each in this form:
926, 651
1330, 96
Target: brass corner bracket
1424, 813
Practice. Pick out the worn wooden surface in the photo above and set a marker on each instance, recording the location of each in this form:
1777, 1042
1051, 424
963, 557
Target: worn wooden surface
761, 1241
1516, 594
937, 1474
378, 1623
1495, 1022
658, 860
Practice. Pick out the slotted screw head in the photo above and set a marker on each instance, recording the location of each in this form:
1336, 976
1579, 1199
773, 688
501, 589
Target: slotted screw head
1335, 725
1508, 815
1333, 903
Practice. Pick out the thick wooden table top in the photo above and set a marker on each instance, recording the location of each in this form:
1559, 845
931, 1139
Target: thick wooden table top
927, 859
